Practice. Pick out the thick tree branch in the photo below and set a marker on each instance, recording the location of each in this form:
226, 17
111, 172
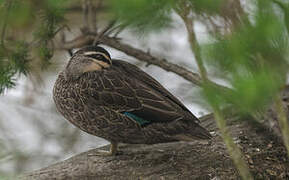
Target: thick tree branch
195, 160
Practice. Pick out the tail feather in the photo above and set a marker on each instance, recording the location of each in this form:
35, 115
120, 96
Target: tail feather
201, 133
197, 133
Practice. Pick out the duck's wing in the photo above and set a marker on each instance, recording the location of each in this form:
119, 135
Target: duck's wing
140, 75
156, 100
126, 89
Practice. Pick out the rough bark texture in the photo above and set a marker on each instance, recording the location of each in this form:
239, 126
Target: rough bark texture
266, 158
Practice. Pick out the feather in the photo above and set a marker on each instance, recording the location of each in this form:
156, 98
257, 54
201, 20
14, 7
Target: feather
139, 120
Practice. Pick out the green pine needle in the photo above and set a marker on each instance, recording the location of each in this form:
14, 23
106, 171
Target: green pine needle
143, 16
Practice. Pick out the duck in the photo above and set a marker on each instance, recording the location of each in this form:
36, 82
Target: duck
117, 101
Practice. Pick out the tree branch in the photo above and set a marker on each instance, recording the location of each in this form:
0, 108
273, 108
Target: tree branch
195, 160
88, 38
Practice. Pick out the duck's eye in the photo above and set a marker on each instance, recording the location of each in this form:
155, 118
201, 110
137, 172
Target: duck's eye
95, 56
99, 57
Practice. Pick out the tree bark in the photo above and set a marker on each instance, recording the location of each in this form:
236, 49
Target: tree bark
266, 159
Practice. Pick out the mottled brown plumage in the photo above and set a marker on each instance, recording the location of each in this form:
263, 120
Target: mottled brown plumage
119, 102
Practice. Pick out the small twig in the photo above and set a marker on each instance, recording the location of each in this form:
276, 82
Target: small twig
103, 32
119, 28
184, 12
108, 27
60, 29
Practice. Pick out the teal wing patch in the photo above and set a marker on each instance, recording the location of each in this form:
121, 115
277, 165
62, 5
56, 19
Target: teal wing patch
139, 120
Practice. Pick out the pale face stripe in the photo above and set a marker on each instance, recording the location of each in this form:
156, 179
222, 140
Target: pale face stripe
101, 63
100, 53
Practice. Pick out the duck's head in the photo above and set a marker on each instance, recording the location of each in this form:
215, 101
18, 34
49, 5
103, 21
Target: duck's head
90, 58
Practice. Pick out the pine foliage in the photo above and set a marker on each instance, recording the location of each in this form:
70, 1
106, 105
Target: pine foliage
44, 18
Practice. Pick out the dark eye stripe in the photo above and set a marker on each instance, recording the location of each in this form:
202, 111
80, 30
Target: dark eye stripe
98, 57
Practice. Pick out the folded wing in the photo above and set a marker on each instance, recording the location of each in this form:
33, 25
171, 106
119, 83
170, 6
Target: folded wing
127, 89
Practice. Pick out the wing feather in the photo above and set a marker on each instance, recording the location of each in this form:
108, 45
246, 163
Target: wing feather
126, 88
140, 75
153, 90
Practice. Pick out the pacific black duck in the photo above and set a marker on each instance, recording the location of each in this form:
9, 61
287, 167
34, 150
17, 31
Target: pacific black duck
121, 103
